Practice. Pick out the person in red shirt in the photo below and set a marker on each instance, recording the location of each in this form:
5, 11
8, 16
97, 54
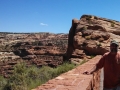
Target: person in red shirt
110, 61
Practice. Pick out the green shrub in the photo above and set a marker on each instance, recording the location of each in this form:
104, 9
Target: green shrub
84, 61
88, 18
63, 68
17, 81
112, 24
84, 28
92, 56
3, 83
24, 78
99, 44
20, 68
88, 37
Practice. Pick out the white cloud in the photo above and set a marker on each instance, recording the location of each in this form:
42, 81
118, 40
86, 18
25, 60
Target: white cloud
43, 24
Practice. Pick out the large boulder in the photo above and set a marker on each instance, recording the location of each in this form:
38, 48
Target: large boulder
91, 35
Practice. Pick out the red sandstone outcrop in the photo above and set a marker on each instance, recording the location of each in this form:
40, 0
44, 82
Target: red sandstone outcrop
91, 35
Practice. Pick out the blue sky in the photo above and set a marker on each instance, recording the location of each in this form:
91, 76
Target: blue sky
54, 16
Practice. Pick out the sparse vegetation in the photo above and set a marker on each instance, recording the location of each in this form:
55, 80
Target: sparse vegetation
99, 44
24, 78
37, 43
84, 61
88, 37
95, 17
112, 24
84, 28
3, 82
88, 18
92, 56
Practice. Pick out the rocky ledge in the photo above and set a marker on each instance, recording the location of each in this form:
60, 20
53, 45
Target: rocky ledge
91, 35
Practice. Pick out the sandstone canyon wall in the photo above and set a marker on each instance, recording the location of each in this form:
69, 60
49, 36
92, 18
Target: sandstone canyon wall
91, 35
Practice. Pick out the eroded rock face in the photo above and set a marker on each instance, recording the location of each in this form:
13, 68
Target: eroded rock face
48, 51
38, 49
91, 35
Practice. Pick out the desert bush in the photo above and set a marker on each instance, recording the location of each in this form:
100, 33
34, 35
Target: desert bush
63, 68
24, 78
92, 56
99, 44
112, 24
84, 28
17, 81
84, 61
88, 18
88, 37
3, 82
